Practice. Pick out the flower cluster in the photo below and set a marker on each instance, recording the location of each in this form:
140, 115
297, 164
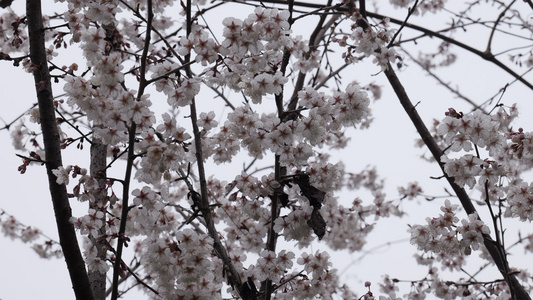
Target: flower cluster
90, 224
444, 234
13, 229
315, 280
109, 106
465, 169
294, 227
13, 33
321, 123
182, 265
271, 266
485, 131
369, 41
348, 225
63, 173
509, 154
411, 191
94, 262
253, 49
520, 200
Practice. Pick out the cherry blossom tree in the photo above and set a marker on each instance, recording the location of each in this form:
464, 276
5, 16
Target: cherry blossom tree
171, 97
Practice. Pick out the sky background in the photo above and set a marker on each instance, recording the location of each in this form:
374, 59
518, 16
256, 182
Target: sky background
388, 145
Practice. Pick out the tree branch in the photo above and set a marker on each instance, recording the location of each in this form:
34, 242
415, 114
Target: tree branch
131, 155
489, 43
483, 54
203, 202
51, 139
314, 39
494, 249
530, 3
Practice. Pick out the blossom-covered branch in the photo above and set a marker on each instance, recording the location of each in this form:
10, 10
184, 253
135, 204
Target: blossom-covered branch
496, 250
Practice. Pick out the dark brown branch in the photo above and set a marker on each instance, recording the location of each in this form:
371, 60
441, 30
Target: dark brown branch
5, 3
494, 27
494, 249
410, 11
131, 156
117, 269
51, 139
203, 206
483, 54
203, 200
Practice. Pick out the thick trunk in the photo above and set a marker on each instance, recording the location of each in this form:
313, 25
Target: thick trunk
62, 210
98, 170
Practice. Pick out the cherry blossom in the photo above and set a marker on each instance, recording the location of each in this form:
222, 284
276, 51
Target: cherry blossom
170, 97
62, 174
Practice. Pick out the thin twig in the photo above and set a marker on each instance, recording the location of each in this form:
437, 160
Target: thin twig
8, 125
489, 43
444, 84
83, 135
410, 12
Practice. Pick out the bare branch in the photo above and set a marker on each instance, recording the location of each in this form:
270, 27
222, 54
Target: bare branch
489, 43
444, 84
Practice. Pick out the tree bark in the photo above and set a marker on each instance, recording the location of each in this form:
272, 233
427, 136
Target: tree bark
62, 210
98, 171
